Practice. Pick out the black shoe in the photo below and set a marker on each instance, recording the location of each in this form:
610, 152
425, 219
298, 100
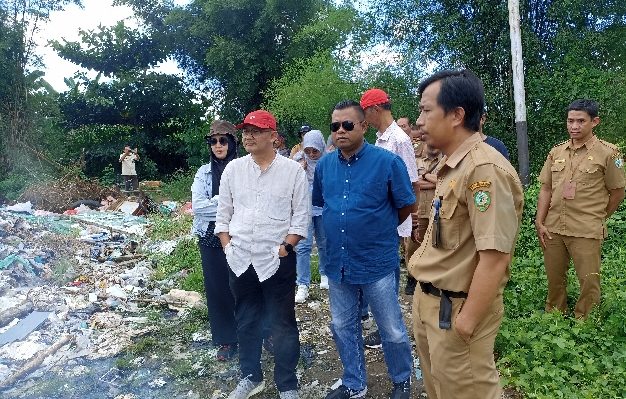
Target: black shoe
373, 340
401, 390
411, 283
343, 392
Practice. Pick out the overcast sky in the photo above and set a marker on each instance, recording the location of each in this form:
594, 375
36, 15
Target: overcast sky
66, 23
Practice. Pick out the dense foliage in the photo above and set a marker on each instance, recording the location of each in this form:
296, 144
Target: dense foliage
571, 50
556, 356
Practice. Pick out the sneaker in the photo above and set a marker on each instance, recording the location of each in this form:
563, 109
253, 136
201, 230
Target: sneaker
246, 388
373, 340
401, 390
367, 322
323, 282
343, 392
226, 352
302, 294
293, 394
411, 283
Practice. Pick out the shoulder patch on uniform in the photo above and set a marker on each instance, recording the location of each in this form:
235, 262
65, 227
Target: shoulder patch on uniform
561, 143
479, 184
619, 163
482, 200
609, 145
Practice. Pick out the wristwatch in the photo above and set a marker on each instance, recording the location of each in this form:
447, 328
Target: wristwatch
288, 247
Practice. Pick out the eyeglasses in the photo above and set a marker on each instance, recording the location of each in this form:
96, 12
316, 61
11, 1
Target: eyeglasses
253, 132
221, 140
348, 126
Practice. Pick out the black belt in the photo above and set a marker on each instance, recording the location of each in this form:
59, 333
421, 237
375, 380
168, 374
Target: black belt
445, 304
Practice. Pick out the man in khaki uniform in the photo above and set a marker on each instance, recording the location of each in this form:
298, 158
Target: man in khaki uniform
582, 184
463, 263
426, 166
416, 139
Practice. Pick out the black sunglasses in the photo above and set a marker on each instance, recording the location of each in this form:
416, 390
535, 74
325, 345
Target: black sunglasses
221, 140
348, 126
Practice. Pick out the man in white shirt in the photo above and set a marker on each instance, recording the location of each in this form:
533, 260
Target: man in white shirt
377, 107
405, 125
129, 173
263, 211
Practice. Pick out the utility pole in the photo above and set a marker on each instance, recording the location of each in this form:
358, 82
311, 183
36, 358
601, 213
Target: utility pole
519, 94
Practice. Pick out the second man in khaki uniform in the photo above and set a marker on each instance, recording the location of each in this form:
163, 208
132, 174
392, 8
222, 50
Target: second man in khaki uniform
582, 184
463, 263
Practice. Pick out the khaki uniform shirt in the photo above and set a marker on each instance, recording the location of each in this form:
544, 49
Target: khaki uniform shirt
426, 165
418, 148
481, 209
595, 167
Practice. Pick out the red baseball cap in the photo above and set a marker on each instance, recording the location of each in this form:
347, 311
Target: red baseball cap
259, 118
374, 97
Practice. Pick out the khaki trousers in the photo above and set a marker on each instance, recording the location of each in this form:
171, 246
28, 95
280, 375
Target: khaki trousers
585, 254
451, 367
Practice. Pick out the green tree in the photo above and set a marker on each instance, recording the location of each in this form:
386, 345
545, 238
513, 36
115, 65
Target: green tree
571, 50
128, 103
235, 49
21, 88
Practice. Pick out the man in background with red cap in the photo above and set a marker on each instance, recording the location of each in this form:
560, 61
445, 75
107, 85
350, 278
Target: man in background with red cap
263, 211
377, 106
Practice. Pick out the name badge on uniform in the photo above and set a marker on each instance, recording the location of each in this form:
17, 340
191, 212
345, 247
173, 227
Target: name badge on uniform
569, 190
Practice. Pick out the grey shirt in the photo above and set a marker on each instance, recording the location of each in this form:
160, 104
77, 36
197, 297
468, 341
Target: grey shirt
259, 209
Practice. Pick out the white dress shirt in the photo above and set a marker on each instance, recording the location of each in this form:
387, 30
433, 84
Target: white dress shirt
128, 164
397, 141
258, 209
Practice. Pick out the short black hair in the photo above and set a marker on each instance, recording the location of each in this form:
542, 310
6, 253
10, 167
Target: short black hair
344, 104
385, 106
459, 88
591, 107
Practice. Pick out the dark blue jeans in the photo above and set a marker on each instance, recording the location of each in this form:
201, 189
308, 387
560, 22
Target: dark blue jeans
346, 327
274, 300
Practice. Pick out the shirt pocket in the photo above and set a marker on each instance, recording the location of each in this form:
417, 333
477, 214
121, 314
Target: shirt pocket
591, 172
450, 229
371, 194
557, 172
279, 207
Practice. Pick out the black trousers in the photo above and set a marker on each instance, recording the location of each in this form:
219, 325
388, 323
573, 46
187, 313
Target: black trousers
272, 300
131, 182
220, 301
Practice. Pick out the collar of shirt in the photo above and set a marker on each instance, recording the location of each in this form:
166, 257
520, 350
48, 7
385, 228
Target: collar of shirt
457, 156
257, 167
588, 143
355, 157
386, 135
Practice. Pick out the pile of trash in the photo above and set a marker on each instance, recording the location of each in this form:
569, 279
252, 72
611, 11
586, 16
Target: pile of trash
75, 286
66, 193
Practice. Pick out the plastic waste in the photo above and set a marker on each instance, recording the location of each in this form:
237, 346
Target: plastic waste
25, 207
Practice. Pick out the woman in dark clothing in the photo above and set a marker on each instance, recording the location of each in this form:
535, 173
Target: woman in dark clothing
205, 189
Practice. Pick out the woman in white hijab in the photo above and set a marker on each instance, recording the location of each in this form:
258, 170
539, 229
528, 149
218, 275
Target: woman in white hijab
313, 145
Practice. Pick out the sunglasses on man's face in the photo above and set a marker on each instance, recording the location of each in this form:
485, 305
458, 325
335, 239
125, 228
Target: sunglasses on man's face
221, 140
348, 126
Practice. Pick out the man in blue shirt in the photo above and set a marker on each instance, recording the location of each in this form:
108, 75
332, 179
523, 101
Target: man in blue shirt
492, 141
365, 192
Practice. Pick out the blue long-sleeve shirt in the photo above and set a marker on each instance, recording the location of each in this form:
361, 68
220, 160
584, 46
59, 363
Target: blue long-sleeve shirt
360, 197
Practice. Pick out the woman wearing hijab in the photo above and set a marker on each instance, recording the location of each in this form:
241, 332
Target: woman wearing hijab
313, 145
204, 196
